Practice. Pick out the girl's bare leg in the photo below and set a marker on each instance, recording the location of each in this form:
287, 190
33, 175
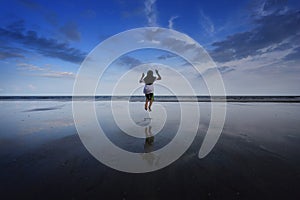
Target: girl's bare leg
151, 101
146, 104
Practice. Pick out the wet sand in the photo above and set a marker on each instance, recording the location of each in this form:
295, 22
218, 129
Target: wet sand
256, 157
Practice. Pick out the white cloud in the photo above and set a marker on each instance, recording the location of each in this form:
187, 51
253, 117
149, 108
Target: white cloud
207, 24
171, 21
266, 58
44, 72
56, 74
262, 8
264, 74
30, 67
151, 12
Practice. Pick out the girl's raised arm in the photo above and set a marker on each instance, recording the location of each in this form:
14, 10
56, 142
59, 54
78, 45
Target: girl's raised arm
141, 80
159, 77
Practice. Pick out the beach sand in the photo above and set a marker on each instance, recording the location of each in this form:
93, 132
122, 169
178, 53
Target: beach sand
256, 157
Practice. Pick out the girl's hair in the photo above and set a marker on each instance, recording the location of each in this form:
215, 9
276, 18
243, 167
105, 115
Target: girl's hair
149, 78
150, 73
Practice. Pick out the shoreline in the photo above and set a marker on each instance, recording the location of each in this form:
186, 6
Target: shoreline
240, 99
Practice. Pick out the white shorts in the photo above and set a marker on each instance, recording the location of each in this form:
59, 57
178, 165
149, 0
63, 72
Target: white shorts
148, 89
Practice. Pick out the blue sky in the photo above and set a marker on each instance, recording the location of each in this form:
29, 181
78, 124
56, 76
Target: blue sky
255, 44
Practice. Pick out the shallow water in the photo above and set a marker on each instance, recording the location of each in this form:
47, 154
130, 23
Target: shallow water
256, 156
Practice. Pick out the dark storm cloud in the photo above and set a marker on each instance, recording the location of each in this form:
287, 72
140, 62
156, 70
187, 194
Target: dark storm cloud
129, 61
270, 30
9, 52
70, 31
5, 55
16, 26
14, 35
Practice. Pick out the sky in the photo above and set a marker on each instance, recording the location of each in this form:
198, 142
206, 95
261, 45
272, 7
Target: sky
255, 44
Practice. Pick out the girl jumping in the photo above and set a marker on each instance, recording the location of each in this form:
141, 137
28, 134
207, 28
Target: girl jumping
149, 89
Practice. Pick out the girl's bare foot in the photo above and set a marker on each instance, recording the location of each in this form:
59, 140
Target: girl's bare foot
150, 108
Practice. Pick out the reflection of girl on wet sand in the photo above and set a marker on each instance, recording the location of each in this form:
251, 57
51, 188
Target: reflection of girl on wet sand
148, 146
149, 89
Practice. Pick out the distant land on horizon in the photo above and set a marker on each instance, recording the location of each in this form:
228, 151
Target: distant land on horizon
163, 98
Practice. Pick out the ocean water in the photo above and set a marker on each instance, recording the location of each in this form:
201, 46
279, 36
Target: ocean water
256, 156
